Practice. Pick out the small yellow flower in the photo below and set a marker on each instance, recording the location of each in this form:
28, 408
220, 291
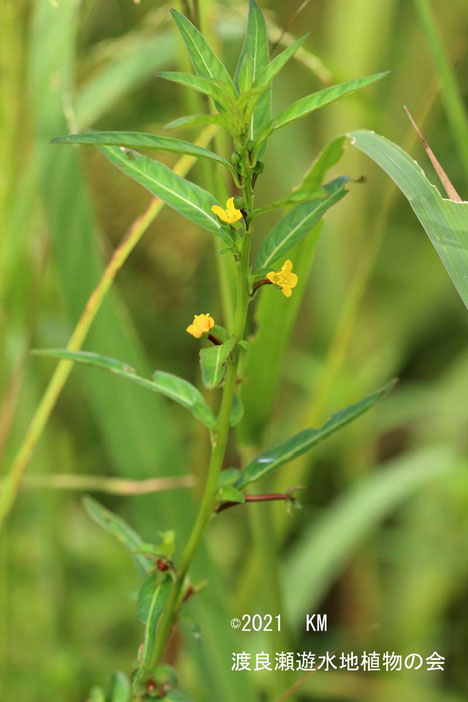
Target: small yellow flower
230, 214
202, 323
285, 278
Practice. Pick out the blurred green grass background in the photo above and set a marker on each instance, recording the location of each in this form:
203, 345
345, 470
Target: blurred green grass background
382, 536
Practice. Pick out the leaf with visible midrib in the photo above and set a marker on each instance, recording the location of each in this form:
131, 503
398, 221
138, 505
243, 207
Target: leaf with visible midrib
184, 197
298, 444
266, 75
142, 140
177, 389
204, 60
256, 44
154, 608
212, 362
445, 221
315, 101
292, 228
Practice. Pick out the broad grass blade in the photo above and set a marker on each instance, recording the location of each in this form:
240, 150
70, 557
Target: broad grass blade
445, 221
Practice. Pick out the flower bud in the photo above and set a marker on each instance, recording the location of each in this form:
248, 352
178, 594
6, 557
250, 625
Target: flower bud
235, 158
239, 203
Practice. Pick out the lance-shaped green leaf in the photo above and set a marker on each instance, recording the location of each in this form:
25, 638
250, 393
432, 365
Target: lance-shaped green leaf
184, 197
306, 195
177, 389
293, 227
212, 363
445, 221
327, 158
220, 92
119, 528
256, 45
145, 594
121, 689
245, 76
142, 140
185, 394
88, 358
204, 59
315, 101
155, 607
298, 444
266, 75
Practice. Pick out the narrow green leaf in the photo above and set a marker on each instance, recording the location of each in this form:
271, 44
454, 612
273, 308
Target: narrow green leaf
184, 197
292, 228
223, 120
142, 140
327, 158
298, 444
145, 595
86, 357
121, 690
256, 44
119, 528
185, 394
212, 363
220, 92
177, 389
266, 75
204, 60
245, 77
306, 195
155, 608
315, 101
445, 221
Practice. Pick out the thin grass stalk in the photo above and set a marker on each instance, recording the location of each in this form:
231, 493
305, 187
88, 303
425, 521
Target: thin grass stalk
109, 486
17, 470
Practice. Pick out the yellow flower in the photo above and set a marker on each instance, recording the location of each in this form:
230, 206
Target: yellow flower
230, 214
285, 278
202, 323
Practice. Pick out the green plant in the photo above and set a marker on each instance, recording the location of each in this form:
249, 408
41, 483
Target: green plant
243, 108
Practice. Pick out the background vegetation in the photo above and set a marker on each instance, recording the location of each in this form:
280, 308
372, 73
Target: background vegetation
382, 536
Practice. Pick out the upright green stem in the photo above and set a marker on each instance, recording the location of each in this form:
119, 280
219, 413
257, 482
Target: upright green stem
219, 445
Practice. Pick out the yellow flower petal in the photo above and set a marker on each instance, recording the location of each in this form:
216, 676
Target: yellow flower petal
202, 324
284, 278
218, 211
230, 214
